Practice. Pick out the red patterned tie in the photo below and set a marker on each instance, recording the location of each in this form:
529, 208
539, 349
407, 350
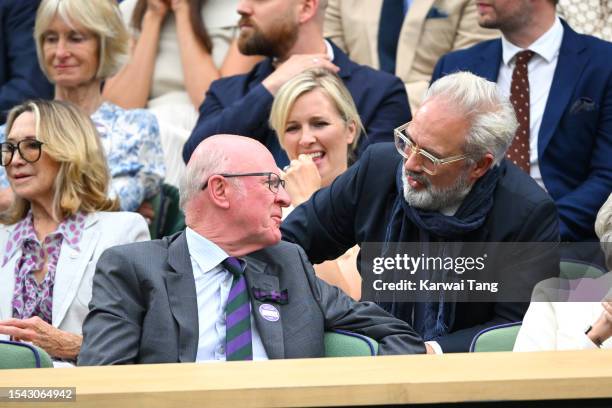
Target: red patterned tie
519, 96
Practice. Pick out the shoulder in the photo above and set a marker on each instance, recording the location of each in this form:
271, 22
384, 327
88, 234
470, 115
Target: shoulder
282, 252
381, 157
119, 219
482, 48
359, 73
131, 119
518, 188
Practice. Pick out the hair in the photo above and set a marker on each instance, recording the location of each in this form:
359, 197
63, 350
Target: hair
198, 170
331, 86
71, 139
195, 17
101, 17
492, 117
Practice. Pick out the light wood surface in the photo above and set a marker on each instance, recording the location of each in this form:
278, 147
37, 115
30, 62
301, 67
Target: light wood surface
333, 381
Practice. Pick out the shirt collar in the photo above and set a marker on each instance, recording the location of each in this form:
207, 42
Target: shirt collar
547, 46
204, 252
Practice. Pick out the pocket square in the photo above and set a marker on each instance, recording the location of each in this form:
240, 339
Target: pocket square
275, 296
582, 104
435, 12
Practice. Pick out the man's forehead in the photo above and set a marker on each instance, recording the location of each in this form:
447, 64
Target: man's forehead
438, 121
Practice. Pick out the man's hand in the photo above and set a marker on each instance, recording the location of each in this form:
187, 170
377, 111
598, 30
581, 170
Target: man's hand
602, 328
295, 65
303, 179
57, 343
147, 211
429, 349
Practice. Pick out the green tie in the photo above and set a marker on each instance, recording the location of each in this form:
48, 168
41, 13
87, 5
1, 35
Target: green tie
238, 343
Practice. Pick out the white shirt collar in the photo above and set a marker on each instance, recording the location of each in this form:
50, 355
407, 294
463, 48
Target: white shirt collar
547, 46
329, 50
204, 252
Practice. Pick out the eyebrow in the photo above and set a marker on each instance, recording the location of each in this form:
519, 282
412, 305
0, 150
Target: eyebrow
433, 152
13, 140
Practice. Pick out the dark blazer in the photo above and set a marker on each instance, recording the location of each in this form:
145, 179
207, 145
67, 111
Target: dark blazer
144, 307
357, 208
241, 105
575, 139
20, 76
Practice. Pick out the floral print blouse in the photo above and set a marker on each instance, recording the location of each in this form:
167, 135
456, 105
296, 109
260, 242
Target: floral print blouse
30, 297
133, 153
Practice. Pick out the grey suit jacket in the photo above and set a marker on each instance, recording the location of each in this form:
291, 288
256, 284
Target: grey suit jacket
144, 307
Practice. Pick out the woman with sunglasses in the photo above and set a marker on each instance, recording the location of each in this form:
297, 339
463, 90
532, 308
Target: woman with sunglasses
318, 125
57, 226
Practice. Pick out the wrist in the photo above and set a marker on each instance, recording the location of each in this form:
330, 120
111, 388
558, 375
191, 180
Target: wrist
152, 19
597, 334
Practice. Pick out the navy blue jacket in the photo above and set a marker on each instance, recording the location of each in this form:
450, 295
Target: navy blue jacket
357, 208
20, 76
241, 105
575, 139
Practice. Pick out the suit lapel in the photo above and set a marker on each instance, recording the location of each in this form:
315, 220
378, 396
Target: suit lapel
570, 65
71, 267
180, 285
271, 332
410, 35
487, 64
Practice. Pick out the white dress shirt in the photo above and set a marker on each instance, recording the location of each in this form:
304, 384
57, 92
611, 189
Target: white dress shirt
213, 284
541, 69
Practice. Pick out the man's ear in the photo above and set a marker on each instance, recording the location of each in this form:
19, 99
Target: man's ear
218, 191
482, 166
307, 10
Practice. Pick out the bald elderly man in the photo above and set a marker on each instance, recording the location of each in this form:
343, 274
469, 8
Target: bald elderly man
226, 288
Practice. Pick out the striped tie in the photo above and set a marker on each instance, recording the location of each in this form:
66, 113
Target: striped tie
237, 315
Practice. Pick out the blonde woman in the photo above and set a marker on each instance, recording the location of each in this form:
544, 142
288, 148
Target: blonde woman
59, 223
318, 125
79, 44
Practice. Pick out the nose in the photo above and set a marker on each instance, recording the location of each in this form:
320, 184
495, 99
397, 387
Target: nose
243, 8
412, 163
282, 197
307, 137
61, 50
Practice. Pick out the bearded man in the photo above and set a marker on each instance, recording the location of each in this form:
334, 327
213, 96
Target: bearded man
290, 34
446, 180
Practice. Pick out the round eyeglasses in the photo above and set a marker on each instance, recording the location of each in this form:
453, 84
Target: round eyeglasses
405, 146
29, 150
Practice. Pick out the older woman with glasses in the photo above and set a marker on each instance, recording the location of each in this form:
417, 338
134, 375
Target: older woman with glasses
57, 226
318, 125
79, 44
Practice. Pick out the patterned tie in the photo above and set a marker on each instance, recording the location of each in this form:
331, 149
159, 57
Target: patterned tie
237, 315
519, 96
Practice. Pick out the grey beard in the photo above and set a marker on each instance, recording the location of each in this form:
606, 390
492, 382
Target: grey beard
434, 198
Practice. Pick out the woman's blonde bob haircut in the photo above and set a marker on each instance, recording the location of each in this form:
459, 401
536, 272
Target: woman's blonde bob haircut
100, 17
307, 81
71, 139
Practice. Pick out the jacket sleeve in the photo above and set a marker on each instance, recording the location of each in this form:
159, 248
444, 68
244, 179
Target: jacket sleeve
341, 312
111, 331
248, 115
22, 78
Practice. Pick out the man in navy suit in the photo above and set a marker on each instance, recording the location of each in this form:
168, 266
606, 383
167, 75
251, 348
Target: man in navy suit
570, 102
445, 180
290, 34
20, 76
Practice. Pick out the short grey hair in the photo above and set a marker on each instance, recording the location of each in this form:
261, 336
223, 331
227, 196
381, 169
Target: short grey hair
198, 171
492, 117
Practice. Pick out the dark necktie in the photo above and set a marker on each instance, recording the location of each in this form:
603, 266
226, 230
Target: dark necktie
238, 342
519, 96
391, 20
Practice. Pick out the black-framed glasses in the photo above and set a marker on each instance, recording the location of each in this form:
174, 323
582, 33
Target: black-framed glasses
274, 181
405, 146
29, 149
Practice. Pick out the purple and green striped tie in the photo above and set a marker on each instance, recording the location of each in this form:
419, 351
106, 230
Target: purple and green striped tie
238, 343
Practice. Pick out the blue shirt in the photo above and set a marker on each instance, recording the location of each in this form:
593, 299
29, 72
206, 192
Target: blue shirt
213, 283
